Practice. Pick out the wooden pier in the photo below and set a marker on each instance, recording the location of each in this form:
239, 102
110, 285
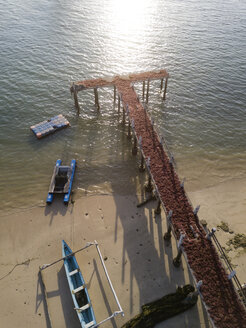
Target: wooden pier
215, 286
118, 81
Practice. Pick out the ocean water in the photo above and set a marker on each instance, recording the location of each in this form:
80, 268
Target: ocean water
46, 45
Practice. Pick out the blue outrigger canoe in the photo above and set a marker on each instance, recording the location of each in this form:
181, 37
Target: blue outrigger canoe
79, 292
61, 181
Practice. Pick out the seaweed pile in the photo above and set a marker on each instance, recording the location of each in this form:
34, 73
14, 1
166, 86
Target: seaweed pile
218, 293
164, 308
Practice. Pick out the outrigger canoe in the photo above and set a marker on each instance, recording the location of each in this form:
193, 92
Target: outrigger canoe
61, 181
79, 292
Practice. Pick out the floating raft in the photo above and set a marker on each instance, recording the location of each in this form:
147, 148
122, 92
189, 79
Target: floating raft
50, 126
61, 181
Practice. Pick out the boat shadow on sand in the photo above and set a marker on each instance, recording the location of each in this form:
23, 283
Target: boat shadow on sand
44, 295
57, 207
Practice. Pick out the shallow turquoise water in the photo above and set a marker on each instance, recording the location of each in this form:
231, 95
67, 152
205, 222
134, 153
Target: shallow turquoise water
45, 45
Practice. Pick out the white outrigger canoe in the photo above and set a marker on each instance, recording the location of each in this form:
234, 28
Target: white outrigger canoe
78, 289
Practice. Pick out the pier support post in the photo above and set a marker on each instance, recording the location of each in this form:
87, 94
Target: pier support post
118, 103
134, 148
141, 166
124, 116
96, 98
148, 186
129, 136
161, 84
167, 236
158, 208
165, 89
114, 94
143, 89
76, 102
177, 259
147, 93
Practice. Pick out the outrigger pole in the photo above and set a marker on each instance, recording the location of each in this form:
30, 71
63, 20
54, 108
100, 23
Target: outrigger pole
112, 288
45, 266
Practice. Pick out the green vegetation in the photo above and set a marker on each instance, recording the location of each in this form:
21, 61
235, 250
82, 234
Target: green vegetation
164, 308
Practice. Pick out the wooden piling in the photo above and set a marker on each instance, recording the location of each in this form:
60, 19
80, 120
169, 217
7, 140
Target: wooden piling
124, 116
114, 94
147, 93
141, 166
167, 236
158, 208
143, 89
76, 102
96, 98
134, 148
118, 103
129, 130
177, 259
161, 84
165, 89
148, 186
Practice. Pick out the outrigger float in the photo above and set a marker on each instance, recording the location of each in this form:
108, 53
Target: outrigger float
61, 181
78, 288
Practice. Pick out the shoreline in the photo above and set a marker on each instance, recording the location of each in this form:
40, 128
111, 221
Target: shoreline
35, 234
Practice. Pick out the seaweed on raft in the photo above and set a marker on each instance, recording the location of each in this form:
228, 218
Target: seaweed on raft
164, 308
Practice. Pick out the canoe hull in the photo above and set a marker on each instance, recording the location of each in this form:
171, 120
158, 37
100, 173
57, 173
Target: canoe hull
78, 289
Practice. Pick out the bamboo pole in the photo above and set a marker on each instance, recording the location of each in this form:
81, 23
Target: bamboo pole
45, 266
161, 84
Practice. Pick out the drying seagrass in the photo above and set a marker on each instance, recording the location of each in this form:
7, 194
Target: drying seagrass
164, 308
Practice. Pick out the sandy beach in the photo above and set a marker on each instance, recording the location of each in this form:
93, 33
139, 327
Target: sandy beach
131, 241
